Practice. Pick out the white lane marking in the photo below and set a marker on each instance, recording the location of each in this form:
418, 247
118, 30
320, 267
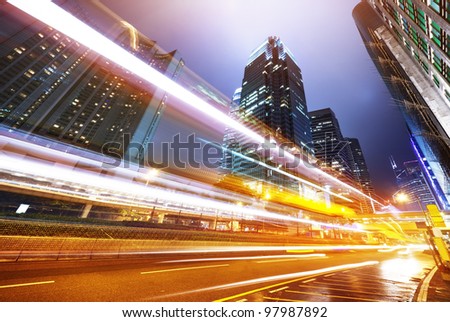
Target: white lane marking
423, 293
279, 299
328, 275
183, 269
310, 280
287, 277
243, 300
26, 284
278, 289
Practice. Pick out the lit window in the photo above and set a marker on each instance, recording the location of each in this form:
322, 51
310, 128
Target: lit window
434, 4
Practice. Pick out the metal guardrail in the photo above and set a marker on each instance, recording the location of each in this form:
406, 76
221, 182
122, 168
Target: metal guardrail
33, 240
20, 248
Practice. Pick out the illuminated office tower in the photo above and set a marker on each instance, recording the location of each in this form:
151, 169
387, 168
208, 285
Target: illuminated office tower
273, 92
330, 147
409, 42
52, 86
273, 103
341, 157
361, 173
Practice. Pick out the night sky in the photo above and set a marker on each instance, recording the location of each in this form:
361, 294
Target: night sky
216, 37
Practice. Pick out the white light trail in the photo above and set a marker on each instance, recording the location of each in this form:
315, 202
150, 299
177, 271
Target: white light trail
287, 174
293, 249
287, 278
243, 258
55, 173
56, 17
293, 275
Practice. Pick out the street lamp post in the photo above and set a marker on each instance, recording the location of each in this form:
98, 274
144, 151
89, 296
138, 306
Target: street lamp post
428, 234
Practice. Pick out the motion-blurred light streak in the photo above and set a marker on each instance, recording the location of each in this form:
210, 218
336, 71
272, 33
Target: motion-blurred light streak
244, 258
270, 279
56, 17
54, 173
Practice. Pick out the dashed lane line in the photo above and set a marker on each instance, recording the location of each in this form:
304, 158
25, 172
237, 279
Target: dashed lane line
278, 289
183, 269
26, 284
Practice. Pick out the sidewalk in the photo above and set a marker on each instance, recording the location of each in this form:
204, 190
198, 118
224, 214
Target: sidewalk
433, 288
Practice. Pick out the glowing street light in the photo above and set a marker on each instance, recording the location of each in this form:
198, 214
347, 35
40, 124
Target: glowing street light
401, 197
151, 174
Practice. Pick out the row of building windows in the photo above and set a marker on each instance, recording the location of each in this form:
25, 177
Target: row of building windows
422, 25
441, 7
26, 67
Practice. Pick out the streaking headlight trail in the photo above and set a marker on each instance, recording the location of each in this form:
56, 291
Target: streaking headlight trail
56, 17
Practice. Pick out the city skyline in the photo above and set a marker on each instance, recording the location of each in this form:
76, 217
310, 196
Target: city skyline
125, 176
338, 65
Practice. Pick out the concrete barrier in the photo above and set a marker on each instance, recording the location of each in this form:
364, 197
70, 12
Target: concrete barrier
21, 248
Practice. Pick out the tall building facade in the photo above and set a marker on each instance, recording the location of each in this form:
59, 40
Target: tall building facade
273, 103
361, 173
410, 180
273, 92
408, 41
330, 147
52, 86
342, 157
231, 137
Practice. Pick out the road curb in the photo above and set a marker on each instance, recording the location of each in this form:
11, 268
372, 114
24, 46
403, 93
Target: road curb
422, 295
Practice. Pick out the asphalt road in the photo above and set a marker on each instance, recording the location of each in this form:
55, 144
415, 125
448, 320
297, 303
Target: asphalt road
334, 276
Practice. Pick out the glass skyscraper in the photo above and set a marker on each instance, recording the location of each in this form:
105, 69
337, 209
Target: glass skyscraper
408, 41
361, 173
273, 92
52, 86
273, 103
329, 145
339, 156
